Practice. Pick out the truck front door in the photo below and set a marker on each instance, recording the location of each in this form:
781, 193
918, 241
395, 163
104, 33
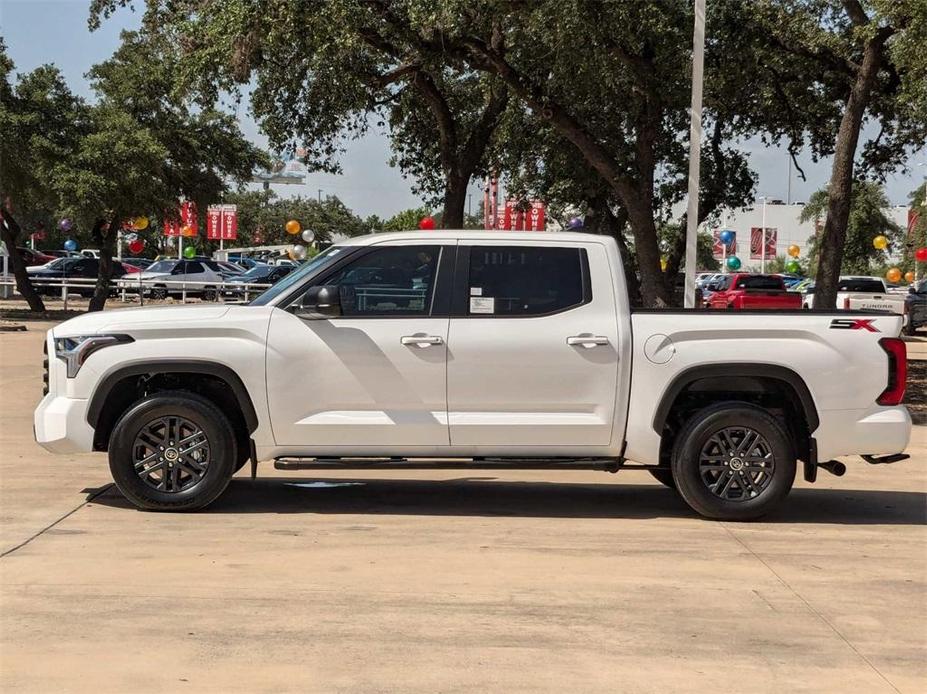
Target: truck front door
373, 379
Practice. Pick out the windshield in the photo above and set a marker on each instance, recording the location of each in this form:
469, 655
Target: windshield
297, 276
256, 272
162, 266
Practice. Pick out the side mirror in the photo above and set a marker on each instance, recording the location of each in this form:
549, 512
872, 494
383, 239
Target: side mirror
912, 289
320, 302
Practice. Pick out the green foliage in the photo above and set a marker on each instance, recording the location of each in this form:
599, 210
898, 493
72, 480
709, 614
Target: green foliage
868, 219
262, 217
406, 220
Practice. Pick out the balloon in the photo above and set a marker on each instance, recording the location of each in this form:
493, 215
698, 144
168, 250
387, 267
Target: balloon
297, 252
880, 242
575, 223
293, 227
187, 230
921, 255
189, 252
733, 262
794, 251
136, 246
893, 275
307, 236
727, 237
65, 224
663, 264
70, 245
426, 223
909, 277
140, 223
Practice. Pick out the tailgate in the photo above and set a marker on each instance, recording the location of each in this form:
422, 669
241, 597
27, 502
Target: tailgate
768, 298
873, 302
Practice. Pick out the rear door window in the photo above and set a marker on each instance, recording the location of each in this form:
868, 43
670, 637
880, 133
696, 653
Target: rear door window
526, 280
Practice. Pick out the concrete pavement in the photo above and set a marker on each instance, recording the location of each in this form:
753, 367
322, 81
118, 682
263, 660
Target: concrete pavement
444, 581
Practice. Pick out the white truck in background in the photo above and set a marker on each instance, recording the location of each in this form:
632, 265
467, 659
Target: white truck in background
474, 349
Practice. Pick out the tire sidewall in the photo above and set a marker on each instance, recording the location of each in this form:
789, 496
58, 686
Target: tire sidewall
222, 448
696, 433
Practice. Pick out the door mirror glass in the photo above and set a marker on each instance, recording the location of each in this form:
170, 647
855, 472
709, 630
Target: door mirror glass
319, 303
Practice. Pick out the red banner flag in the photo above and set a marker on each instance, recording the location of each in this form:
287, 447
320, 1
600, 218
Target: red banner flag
756, 244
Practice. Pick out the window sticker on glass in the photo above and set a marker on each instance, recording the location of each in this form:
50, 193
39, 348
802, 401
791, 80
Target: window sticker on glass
476, 291
482, 304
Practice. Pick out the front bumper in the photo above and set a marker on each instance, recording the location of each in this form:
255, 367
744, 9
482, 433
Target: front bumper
61, 425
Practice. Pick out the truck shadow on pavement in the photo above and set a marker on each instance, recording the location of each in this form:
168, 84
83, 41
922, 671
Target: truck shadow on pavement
486, 496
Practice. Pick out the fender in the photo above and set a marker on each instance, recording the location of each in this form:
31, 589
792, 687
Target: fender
696, 373
106, 385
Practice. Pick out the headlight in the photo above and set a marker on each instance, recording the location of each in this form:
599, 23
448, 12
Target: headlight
74, 351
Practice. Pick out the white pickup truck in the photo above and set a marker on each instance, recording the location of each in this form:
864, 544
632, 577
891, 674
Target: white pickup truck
480, 349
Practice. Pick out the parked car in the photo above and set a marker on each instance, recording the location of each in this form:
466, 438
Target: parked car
173, 277
47, 279
142, 263
915, 307
237, 288
33, 258
90, 253
58, 253
742, 290
481, 348
868, 294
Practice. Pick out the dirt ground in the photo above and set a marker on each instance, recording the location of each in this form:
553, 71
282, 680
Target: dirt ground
450, 582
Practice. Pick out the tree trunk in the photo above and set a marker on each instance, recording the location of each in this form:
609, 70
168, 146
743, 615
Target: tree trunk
839, 190
455, 199
107, 239
10, 230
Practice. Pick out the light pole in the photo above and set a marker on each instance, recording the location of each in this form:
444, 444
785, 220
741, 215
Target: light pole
695, 150
763, 239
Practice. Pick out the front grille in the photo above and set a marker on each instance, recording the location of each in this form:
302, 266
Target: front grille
45, 368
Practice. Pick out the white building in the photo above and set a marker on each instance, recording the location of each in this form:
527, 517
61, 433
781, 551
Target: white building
784, 219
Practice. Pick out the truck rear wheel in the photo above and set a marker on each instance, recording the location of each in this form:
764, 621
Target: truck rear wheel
733, 461
174, 451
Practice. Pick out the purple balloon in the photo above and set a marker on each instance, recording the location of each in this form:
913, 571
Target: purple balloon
575, 223
65, 224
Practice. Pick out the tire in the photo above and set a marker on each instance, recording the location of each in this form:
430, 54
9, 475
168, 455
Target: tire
210, 294
159, 293
155, 422
664, 476
705, 472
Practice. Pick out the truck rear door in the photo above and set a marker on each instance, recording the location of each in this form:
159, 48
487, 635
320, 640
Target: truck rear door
533, 346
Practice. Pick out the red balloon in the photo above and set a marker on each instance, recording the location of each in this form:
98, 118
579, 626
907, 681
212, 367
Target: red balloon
136, 246
427, 223
921, 254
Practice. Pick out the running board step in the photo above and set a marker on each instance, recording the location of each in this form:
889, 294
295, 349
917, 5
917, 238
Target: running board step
606, 464
885, 459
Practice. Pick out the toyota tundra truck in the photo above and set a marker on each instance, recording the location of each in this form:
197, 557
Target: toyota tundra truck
456, 349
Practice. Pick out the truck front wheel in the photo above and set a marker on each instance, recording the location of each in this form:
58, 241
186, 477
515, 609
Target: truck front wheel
173, 451
733, 461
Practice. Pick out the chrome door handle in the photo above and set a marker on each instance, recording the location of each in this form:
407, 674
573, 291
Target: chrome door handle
421, 340
587, 341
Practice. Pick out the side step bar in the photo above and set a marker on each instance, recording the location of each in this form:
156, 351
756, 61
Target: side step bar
885, 459
606, 464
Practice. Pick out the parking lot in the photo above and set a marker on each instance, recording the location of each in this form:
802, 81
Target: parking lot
447, 581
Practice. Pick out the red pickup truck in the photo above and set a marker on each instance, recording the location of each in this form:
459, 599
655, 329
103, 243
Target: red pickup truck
743, 290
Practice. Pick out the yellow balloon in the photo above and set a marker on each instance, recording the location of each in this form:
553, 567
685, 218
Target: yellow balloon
663, 264
292, 227
140, 223
909, 277
880, 242
794, 251
893, 275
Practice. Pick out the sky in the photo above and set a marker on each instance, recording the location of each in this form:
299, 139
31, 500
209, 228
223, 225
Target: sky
55, 31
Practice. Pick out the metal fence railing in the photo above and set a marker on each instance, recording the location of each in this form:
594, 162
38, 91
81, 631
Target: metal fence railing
130, 290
